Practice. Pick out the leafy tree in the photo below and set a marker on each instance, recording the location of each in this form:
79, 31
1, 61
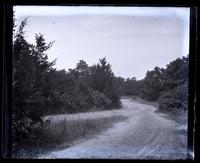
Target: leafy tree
82, 68
168, 86
101, 76
176, 73
120, 84
174, 98
152, 84
132, 87
30, 66
175, 85
102, 79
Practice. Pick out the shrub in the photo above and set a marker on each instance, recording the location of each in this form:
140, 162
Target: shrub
174, 98
100, 100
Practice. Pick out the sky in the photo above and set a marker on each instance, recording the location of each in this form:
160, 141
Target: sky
133, 39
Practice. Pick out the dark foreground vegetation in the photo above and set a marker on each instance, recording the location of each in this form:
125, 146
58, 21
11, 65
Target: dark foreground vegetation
61, 134
39, 90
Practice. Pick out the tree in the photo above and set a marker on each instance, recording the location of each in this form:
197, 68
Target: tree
31, 67
132, 87
176, 73
101, 76
120, 84
82, 67
82, 71
152, 84
175, 85
102, 80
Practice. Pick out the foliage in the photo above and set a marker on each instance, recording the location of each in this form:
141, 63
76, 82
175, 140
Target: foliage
175, 85
30, 67
39, 89
132, 87
168, 86
152, 84
61, 134
159, 84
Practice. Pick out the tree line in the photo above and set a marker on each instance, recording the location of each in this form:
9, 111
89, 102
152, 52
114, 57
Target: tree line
39, 89
168, 86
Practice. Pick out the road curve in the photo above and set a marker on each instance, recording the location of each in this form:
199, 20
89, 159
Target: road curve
144, 135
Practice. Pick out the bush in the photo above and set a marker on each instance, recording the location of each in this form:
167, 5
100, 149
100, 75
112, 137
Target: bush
168, 100
174, 98
100, 100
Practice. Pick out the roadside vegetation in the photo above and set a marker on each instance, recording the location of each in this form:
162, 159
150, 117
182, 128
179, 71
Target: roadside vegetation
168, 86
56, 135
39, 90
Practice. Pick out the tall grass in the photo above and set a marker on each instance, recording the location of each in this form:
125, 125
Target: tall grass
61, 134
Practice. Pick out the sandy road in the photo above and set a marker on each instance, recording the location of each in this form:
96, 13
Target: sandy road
144, 135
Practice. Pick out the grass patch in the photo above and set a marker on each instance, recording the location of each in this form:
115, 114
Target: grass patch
63, 133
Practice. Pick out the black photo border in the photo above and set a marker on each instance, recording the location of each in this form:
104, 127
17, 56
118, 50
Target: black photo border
6, 9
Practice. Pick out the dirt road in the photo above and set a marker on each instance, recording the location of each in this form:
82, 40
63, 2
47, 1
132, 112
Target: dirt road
144, 135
